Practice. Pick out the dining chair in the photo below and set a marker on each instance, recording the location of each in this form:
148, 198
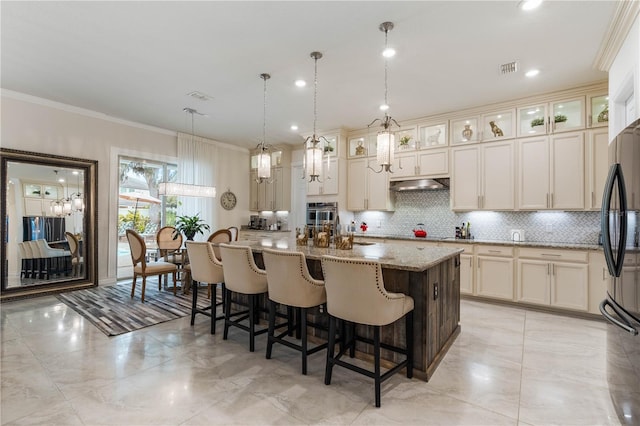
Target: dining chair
220, 236
168, 247
143, 268
356, 294
205, 268
234, 232
76, 258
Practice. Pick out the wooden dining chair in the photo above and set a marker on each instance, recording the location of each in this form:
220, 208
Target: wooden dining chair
76, 258
143, 268
234, 232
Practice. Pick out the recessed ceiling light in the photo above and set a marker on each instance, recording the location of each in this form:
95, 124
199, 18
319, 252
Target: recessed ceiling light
384, 107
294, 127
532, 73
389, 52
530, 4
301, 83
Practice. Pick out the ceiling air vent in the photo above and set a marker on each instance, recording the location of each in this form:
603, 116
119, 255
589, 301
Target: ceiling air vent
200, 96
509, 67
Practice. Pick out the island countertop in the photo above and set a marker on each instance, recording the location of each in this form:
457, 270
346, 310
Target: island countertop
391, 255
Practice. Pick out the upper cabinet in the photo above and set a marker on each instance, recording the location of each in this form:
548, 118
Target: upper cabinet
552, 117
597, 110
498, 125
433, 135
465, 130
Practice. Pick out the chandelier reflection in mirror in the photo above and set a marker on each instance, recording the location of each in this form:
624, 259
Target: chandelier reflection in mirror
315, 146
385, 139
69, 203
264, 150
188, 189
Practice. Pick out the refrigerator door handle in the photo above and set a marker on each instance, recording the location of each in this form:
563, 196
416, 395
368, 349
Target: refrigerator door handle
614, 265
626, 325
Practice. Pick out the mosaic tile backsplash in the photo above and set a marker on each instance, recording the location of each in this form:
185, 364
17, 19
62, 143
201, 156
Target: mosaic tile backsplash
432, 208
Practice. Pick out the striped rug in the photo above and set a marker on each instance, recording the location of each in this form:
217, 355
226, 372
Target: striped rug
114, 312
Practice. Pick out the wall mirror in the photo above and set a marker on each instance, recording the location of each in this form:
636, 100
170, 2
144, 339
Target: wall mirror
49, 223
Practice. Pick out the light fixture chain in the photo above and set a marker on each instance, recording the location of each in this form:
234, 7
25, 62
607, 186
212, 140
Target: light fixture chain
264, 114
386, 62
315, 95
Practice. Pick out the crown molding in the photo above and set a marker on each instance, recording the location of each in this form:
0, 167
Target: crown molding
623, 19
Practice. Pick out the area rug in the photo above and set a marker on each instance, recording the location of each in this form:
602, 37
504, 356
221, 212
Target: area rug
114, 312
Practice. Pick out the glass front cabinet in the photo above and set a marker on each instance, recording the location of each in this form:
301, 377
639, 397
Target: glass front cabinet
553, 117
598, 110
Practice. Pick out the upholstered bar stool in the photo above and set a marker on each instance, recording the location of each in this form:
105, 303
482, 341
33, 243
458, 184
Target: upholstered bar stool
205, 268
242, 275
356, 293
290, 284
220, 236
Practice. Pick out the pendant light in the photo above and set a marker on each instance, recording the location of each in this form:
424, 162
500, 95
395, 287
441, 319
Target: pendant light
385, 139
314, 146
77, 201
62, 206
264, 150
187, 189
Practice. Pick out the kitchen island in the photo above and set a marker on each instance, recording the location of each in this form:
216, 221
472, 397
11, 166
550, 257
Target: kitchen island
431, 275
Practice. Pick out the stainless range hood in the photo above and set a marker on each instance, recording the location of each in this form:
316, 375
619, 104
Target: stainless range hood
420, 184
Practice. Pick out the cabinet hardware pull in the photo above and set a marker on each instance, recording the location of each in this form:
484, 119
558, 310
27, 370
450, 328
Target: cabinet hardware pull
589, 119
400, 163
547, 199
593, 198
479, 205
553, 268
435, 291
603, 274
551, 200
548, 269
494, 251
551, 255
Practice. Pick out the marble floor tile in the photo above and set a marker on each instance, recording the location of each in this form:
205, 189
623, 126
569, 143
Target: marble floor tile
508, 366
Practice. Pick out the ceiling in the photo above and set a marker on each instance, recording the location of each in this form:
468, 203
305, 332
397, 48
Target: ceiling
138, 60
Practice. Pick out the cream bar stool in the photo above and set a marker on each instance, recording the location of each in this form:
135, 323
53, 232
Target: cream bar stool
290, 284
356, 293
205, 268
241, 275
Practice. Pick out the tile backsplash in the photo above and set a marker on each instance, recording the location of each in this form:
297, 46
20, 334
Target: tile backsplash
432, 208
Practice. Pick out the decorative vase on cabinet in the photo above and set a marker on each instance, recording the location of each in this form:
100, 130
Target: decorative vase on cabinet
467, 132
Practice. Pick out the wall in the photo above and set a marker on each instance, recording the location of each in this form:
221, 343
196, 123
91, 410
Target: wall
432, 208
39, 125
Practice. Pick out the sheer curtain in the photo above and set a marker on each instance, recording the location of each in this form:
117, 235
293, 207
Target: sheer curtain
196, 165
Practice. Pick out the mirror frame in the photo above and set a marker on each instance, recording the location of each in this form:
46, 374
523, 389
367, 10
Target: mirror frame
90, 255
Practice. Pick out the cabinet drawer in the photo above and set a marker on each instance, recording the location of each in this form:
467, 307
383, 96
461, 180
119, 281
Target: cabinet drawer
468, 248
554, 255
483, 250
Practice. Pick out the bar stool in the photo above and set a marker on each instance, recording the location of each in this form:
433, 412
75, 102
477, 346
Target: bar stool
205, 268
242, 275
356, 293
290, 284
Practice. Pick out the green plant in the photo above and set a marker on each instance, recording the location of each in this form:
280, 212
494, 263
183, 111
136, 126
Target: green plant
405, 140
559, 118
328, 148
537, 122
190, 226
126, 221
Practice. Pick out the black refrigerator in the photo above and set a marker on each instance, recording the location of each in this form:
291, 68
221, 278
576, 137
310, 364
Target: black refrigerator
619, 221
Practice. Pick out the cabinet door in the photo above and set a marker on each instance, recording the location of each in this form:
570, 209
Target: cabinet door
465, 173
533, 167
466, 274
567, 171
404, 165
597, 110
378, 197
281, 192
315, 187
598, 280
253, 191
533, 120
356, 184
330, 177
598, 167
533, 281
567, 115
33, 207
569, 285
495, 277
433, 163
498, 175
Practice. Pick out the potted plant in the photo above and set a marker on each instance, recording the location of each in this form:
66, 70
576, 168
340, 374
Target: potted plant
559, 118
537, 122
404, 142
190, 226
328, 148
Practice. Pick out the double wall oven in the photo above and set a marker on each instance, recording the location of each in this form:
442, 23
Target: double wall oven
321, 213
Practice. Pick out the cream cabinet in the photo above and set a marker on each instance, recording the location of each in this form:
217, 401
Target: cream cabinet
483, 177
597, 167
558, 278
551, 172
494, 272
598, 280
429, 163
329, 179
597, 109
272, 195
466, 267
366, 189
552, 117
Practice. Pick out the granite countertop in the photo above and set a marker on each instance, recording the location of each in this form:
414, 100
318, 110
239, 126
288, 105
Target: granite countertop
391, 255
246, 228
533, 244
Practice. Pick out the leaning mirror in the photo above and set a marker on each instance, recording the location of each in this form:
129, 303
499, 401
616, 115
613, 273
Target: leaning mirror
49, 227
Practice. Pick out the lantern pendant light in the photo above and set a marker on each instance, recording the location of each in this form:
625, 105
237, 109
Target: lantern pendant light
314, 146
264, 150
386, 138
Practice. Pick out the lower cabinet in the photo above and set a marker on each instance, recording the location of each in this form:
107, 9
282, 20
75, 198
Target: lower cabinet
558, 278
466, 266
494, 273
